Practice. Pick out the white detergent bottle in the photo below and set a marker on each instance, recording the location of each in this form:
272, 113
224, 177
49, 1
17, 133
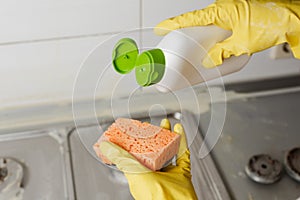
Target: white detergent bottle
184, 51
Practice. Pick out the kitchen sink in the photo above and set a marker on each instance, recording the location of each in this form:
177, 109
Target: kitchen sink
54, 159
258, 124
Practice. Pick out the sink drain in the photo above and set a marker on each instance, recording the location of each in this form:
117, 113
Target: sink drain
292, 163
263, 169
3, 170
3, 173
11, 175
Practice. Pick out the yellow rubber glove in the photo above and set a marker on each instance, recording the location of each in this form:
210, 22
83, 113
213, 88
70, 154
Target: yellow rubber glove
256, 25
172, 182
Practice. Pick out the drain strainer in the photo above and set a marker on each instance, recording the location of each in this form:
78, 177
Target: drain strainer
292, 163
263, 169
11, 175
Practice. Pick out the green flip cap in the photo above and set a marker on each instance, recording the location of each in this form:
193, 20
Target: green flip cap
124, 55
150, 67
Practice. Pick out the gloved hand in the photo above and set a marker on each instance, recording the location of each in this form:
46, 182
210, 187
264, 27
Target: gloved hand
172, 182
255, 24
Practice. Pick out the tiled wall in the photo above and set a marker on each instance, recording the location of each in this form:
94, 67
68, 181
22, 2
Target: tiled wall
43, 43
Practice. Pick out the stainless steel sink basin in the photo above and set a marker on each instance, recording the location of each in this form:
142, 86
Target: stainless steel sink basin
42, 161
265, 124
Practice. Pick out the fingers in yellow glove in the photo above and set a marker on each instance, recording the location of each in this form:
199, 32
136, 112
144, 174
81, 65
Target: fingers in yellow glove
183, 143
294, 41
165, 123
206, 16
195, 18
251, 32
122, 159
183, 155
222, 50
183, 160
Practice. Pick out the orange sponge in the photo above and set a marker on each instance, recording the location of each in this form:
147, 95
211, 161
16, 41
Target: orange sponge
151, 145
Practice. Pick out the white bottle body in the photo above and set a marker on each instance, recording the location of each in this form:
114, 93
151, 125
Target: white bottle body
184, 51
